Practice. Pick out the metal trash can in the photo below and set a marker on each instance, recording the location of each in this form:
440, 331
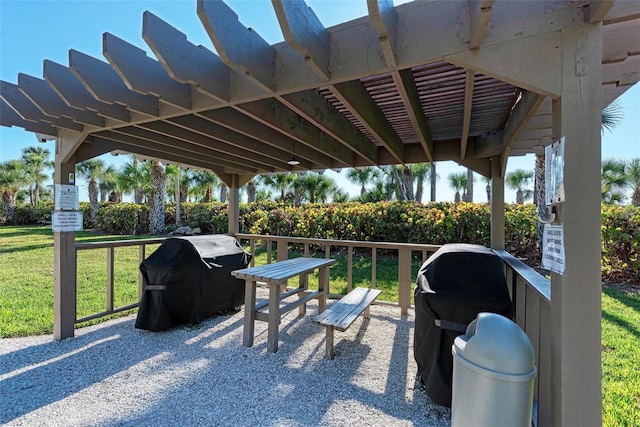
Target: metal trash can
493, 373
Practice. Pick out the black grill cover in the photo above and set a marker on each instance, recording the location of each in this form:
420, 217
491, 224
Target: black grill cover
455, 284
188, 279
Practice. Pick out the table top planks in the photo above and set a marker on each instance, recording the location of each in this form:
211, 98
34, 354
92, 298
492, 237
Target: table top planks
279, 272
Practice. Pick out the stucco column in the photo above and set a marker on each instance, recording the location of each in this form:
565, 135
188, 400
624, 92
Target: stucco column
64, 289
497, 204
576, 295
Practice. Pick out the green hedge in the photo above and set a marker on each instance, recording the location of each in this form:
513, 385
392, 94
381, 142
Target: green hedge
435, 223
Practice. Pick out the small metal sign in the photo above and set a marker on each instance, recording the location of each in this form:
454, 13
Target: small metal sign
66, 221
553, 256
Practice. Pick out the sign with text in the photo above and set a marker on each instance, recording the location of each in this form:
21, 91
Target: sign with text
553, 248
66, 198
66, 221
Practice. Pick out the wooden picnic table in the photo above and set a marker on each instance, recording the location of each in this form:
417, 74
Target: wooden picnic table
276, 275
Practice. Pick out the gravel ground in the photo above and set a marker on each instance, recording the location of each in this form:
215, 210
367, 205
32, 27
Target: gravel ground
113, 374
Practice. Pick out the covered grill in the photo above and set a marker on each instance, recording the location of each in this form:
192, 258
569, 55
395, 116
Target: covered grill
455, 284
188, 279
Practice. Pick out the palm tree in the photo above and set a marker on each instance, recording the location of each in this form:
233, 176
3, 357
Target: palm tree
362, 176
280, 182
613, 181
108, 183
432, 180
36, 160
13, 176
633, 180
470, 180
132, 179
518, 180
158, 181
458, 181
421, 172
487, 187
611, 116
203, 184
92, 170
317, 187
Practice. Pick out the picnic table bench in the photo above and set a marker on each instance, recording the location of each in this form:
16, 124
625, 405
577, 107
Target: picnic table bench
275, 276
342, 313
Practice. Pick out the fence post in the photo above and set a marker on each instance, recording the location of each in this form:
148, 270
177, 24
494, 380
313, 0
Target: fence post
404, 280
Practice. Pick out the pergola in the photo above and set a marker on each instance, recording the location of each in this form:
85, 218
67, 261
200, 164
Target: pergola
472, 81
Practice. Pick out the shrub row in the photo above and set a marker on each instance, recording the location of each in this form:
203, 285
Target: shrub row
436, 223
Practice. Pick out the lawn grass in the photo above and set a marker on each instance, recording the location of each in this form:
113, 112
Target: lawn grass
620, 358
26, 302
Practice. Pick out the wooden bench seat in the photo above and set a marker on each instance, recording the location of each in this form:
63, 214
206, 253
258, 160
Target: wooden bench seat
342, 313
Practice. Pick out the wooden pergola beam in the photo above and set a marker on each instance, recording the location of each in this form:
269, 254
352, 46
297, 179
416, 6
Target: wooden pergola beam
599, 9
239, 122
27, 110
143, 74
481, 12
74, 94
305, 33
185, 62
102, 81
48, 101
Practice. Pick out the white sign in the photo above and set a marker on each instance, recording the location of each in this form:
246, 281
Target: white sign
66, 221
553, 248
66, 198
554, 172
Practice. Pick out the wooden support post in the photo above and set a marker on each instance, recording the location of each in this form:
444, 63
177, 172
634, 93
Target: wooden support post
283, 250
575, 295
323, 286
497, 204
234, 205
250, 313
65, 268
110, 273
273, 331
141, 257
404, 280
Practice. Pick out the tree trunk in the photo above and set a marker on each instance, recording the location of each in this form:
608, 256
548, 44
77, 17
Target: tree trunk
207, 195
251, 191
156, 202
223, 193
469, 185
432, 181
36, 195
519, 197
177, 196
635, 197
539, 198
93, 200
138, 195
9, 205
407, 182
419, 189
456, 198
488, 190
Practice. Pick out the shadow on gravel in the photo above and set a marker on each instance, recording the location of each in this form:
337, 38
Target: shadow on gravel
202, 375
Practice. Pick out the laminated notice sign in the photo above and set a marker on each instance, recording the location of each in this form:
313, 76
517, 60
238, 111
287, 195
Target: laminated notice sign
66, 221
66, 198
553, 257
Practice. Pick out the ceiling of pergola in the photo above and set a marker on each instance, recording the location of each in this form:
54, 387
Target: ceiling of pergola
405, 84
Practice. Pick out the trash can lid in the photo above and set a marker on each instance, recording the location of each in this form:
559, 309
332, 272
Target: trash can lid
494, 342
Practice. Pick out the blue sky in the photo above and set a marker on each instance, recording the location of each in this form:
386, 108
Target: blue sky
32, 31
